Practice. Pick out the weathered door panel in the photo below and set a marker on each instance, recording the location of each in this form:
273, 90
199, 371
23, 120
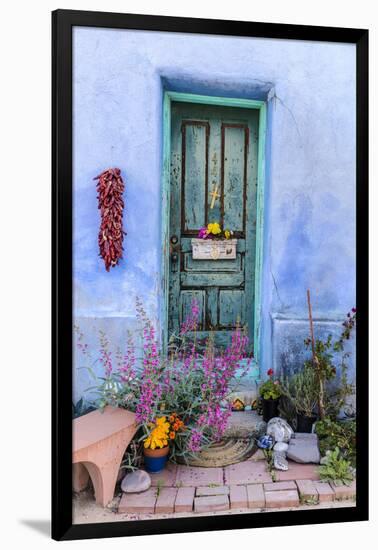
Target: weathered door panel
213, 178
195, 174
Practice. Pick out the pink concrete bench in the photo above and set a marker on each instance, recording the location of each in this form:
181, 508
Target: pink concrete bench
99, 442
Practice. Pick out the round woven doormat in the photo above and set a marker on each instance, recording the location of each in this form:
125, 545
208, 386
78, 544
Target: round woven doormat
224, 453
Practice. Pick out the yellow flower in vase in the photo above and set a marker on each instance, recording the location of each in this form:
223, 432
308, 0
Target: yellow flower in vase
227, 233
158, 437
214, 228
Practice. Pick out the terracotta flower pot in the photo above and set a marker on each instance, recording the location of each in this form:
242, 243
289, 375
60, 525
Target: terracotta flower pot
155, 459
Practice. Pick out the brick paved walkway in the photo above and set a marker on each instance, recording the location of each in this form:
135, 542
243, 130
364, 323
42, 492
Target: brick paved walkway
243, 486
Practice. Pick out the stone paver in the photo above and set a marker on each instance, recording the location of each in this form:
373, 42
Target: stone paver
325, 491
344, 491
256, 496
298, 471
280, 486
166, 478
211, 491
182, 489
238, 496
247, 472
184, 499
281, 499
165, 502
307, 490
211, 504
138, 503
190, 476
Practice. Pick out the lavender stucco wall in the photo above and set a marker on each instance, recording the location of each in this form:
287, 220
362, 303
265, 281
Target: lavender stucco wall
309, 238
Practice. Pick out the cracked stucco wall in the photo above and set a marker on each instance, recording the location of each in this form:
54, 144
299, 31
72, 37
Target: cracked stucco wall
309, 239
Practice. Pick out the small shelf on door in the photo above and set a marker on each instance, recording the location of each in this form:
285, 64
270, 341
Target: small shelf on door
212, 249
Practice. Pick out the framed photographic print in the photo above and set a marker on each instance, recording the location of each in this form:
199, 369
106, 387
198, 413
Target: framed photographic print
210, 193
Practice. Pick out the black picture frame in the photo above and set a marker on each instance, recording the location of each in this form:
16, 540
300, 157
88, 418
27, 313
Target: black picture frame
62, 23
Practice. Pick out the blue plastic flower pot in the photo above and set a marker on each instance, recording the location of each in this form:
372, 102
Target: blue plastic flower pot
155, 460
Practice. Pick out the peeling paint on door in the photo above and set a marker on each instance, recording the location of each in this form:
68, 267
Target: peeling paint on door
213, 180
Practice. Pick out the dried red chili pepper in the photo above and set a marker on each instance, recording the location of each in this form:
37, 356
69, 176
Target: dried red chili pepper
110, 188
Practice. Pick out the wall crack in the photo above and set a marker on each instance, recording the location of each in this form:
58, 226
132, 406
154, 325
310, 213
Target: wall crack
276, 289
275, 97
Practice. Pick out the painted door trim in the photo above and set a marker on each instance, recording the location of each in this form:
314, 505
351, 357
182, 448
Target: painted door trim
225, 102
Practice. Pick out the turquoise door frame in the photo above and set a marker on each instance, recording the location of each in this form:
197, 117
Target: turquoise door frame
224, 102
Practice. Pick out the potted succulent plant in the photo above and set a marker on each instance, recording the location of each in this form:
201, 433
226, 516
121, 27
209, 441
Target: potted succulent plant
302, 391
270, 393
156, 443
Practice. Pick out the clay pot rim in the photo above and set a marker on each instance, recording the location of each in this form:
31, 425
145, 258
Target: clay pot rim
156, 452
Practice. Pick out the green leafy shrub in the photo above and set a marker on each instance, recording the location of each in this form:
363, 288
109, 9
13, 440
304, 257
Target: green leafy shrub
302, 390
341, 434
335, 468
271, 388
331, 359
286, 410
338, 393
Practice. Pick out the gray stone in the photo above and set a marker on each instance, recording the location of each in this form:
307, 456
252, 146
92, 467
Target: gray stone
136, 482
300, 435
281, 446
304, 450
279, 429
279, 461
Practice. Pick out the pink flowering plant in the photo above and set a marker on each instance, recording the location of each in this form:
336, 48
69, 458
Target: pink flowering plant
192, 381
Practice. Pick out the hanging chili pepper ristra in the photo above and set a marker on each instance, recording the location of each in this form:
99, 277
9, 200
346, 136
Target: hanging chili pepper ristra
110, 188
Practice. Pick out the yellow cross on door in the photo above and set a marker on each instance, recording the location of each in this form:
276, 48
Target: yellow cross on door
214, 196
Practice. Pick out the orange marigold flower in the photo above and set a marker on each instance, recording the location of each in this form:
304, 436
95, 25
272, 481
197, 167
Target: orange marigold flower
171, 419
172, 435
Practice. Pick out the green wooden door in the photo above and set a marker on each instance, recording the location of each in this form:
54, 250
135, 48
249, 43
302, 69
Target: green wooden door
213, 148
